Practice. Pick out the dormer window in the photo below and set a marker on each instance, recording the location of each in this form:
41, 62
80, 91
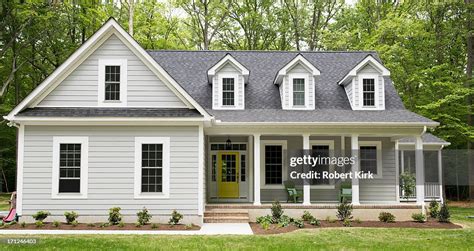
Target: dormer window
368, 92
228, 91
365, 85
297, 81
112, 82
228, 78
298, 92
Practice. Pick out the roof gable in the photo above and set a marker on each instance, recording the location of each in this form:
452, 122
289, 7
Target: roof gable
369, 60
298, 60
228, 59
85, 50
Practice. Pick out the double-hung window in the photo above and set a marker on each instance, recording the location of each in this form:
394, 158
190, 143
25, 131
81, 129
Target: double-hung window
273, 164
370, 157
112, 82
228, 91
152, 160
70, 167
368, 92
298, 91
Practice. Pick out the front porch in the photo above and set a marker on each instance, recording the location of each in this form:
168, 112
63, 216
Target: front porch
258, 181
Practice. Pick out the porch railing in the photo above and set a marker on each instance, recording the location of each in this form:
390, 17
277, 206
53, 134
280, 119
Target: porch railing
432, 191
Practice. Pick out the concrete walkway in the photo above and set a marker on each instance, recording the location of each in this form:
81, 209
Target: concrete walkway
206, 229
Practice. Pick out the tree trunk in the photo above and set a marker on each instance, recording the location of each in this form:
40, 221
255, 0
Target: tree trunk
131, 7
470, 64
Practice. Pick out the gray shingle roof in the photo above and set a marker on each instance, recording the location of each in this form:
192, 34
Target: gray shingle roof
426, 138
262, 98
109, 112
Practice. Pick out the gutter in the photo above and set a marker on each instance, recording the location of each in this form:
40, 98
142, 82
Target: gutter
382, 124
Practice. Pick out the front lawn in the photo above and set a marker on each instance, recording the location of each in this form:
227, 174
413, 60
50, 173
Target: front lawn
309, 239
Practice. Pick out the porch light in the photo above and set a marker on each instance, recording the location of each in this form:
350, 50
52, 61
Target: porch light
228, 144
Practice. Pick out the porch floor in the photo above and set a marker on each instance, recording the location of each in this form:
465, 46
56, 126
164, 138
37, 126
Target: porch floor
312, 206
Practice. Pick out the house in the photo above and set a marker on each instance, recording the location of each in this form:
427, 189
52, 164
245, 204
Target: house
203, 131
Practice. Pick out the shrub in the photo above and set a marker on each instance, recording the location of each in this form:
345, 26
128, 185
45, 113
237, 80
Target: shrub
346, 223
277, 211
315, 222
358, 221
408, 184
91, 225
70, 216
154, 226
121, 224
41, 215
104, 225
144, 216
138, 224
344, 211
114, 215
419, 217
434, 209
75, 223
188, 226
266, 218
307, 216
265, 225
386, 217
444, 214
56, 223
284, 221
299, 223
23, 224
39, 224
175, 218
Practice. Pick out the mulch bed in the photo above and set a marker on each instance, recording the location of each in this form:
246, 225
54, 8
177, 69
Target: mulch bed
275, 229
97, 226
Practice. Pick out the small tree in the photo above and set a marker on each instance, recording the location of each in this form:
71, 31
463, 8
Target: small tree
444, 214
41, 215
344, 211
277, 211
434, 209
114, 215
408, 184
175, 218
70, 216
143, 216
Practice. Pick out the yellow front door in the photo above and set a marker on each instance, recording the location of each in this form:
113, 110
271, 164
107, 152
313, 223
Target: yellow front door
228, 174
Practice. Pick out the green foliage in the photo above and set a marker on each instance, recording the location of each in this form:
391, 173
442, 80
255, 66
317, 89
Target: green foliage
344, 210
114, 215
91, 225
284, 221
307, 216
175, 218
154, 226
277, 211
315, 222
267, 218
347, 223
23, 224
408, 184
144, 216
70, 216
298, 223
41, 215
434, 209
56, 223
138, 224
74, 223
105, 224
39, 224
121, 224
386, 217
265, 225
444, 214
358, 221
419, 217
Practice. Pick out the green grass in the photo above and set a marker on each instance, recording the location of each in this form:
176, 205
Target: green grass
4, 198
328, 239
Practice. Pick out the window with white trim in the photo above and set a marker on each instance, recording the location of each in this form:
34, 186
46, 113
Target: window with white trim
70, 167
228, 91
368, 92
112, 82
298, 91
273, 164
370, 157
152, 158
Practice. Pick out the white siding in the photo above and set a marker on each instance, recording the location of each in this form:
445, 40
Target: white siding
111, 170
239, 94
80, 88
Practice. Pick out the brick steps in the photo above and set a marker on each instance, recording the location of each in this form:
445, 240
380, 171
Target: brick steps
222, 215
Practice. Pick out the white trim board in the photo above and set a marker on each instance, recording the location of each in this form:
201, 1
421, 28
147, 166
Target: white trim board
284, 170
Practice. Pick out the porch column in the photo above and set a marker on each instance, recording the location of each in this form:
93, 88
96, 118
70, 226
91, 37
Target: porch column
355, 168
306, 186
420, 172
397, 171
440, 174
256, 169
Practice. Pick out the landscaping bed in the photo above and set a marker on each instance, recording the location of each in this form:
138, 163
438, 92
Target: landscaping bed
101, 226
276, 229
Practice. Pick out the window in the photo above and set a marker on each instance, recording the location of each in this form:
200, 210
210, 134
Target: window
320, 151
370, 157
273, 164
214, 167
151, 167
70, 167
228, 89
242, 167
298, 92
368, 91
112, 82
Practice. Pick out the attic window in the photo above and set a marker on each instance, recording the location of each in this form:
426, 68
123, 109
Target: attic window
228, 88
112, 82
298, 92
368, 92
